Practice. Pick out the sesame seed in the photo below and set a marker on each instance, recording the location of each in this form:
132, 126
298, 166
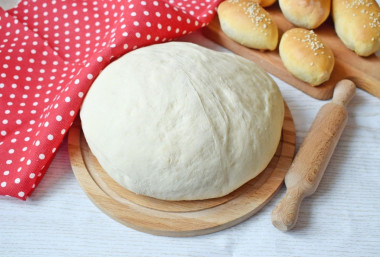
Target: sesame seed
253, 10
364, 5
311, 39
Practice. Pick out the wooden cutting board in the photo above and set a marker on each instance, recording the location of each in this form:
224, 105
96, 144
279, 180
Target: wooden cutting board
179, 218
363, 71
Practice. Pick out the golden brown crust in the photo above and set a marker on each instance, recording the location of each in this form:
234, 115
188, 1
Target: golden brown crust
306, 56
247, 23
308, 14
357, 23
266, 3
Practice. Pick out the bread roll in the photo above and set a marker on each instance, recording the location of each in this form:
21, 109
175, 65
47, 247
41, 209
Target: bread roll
357, 24
247, 23
266, 3
305, 56
306, 13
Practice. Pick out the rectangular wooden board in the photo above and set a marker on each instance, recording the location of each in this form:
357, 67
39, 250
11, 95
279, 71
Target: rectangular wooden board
363, 71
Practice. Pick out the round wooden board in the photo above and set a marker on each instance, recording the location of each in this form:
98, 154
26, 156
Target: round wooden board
179, 218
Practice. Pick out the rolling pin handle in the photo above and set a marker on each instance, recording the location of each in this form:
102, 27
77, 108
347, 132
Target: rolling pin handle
285, 214
343, 92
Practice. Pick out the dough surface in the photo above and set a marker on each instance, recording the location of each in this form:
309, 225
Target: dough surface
177, 121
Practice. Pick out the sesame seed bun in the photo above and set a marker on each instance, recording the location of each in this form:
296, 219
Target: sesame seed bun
308, 14
305, 56
357, 24
247, 23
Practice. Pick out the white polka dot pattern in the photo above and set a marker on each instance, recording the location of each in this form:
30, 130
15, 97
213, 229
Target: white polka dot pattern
51, 51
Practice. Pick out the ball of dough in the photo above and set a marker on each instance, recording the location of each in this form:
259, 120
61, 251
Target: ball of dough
305, 56
177, 121
247, 23
357, 24
308, 14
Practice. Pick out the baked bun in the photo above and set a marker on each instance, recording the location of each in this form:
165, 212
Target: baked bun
266, 3
305, 56
306, 13
247, 23
357, 24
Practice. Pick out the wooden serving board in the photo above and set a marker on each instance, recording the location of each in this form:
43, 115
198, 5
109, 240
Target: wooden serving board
179, 218
363, 71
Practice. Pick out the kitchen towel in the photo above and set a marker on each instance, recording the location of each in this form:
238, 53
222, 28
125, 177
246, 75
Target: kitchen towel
50, 53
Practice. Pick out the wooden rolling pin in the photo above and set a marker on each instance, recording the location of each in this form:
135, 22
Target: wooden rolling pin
310, 163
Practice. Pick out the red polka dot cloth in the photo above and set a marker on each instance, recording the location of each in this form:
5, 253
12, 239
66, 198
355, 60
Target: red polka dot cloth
50, 53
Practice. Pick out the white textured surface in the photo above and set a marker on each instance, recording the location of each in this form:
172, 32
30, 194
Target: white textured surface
341, 219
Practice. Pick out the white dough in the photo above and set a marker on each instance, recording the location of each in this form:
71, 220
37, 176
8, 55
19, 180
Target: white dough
177, 121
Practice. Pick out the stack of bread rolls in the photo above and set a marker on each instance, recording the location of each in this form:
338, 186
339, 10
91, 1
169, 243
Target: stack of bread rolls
357, 24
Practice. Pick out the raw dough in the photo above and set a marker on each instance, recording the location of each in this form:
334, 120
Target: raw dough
177, 121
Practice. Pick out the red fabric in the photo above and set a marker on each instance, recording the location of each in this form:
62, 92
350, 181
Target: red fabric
51, 51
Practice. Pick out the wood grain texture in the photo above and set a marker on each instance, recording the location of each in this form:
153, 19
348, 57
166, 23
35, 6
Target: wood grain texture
313, 156
179, 218
363, 71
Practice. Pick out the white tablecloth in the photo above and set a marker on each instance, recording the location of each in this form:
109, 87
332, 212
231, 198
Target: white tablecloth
341, 219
